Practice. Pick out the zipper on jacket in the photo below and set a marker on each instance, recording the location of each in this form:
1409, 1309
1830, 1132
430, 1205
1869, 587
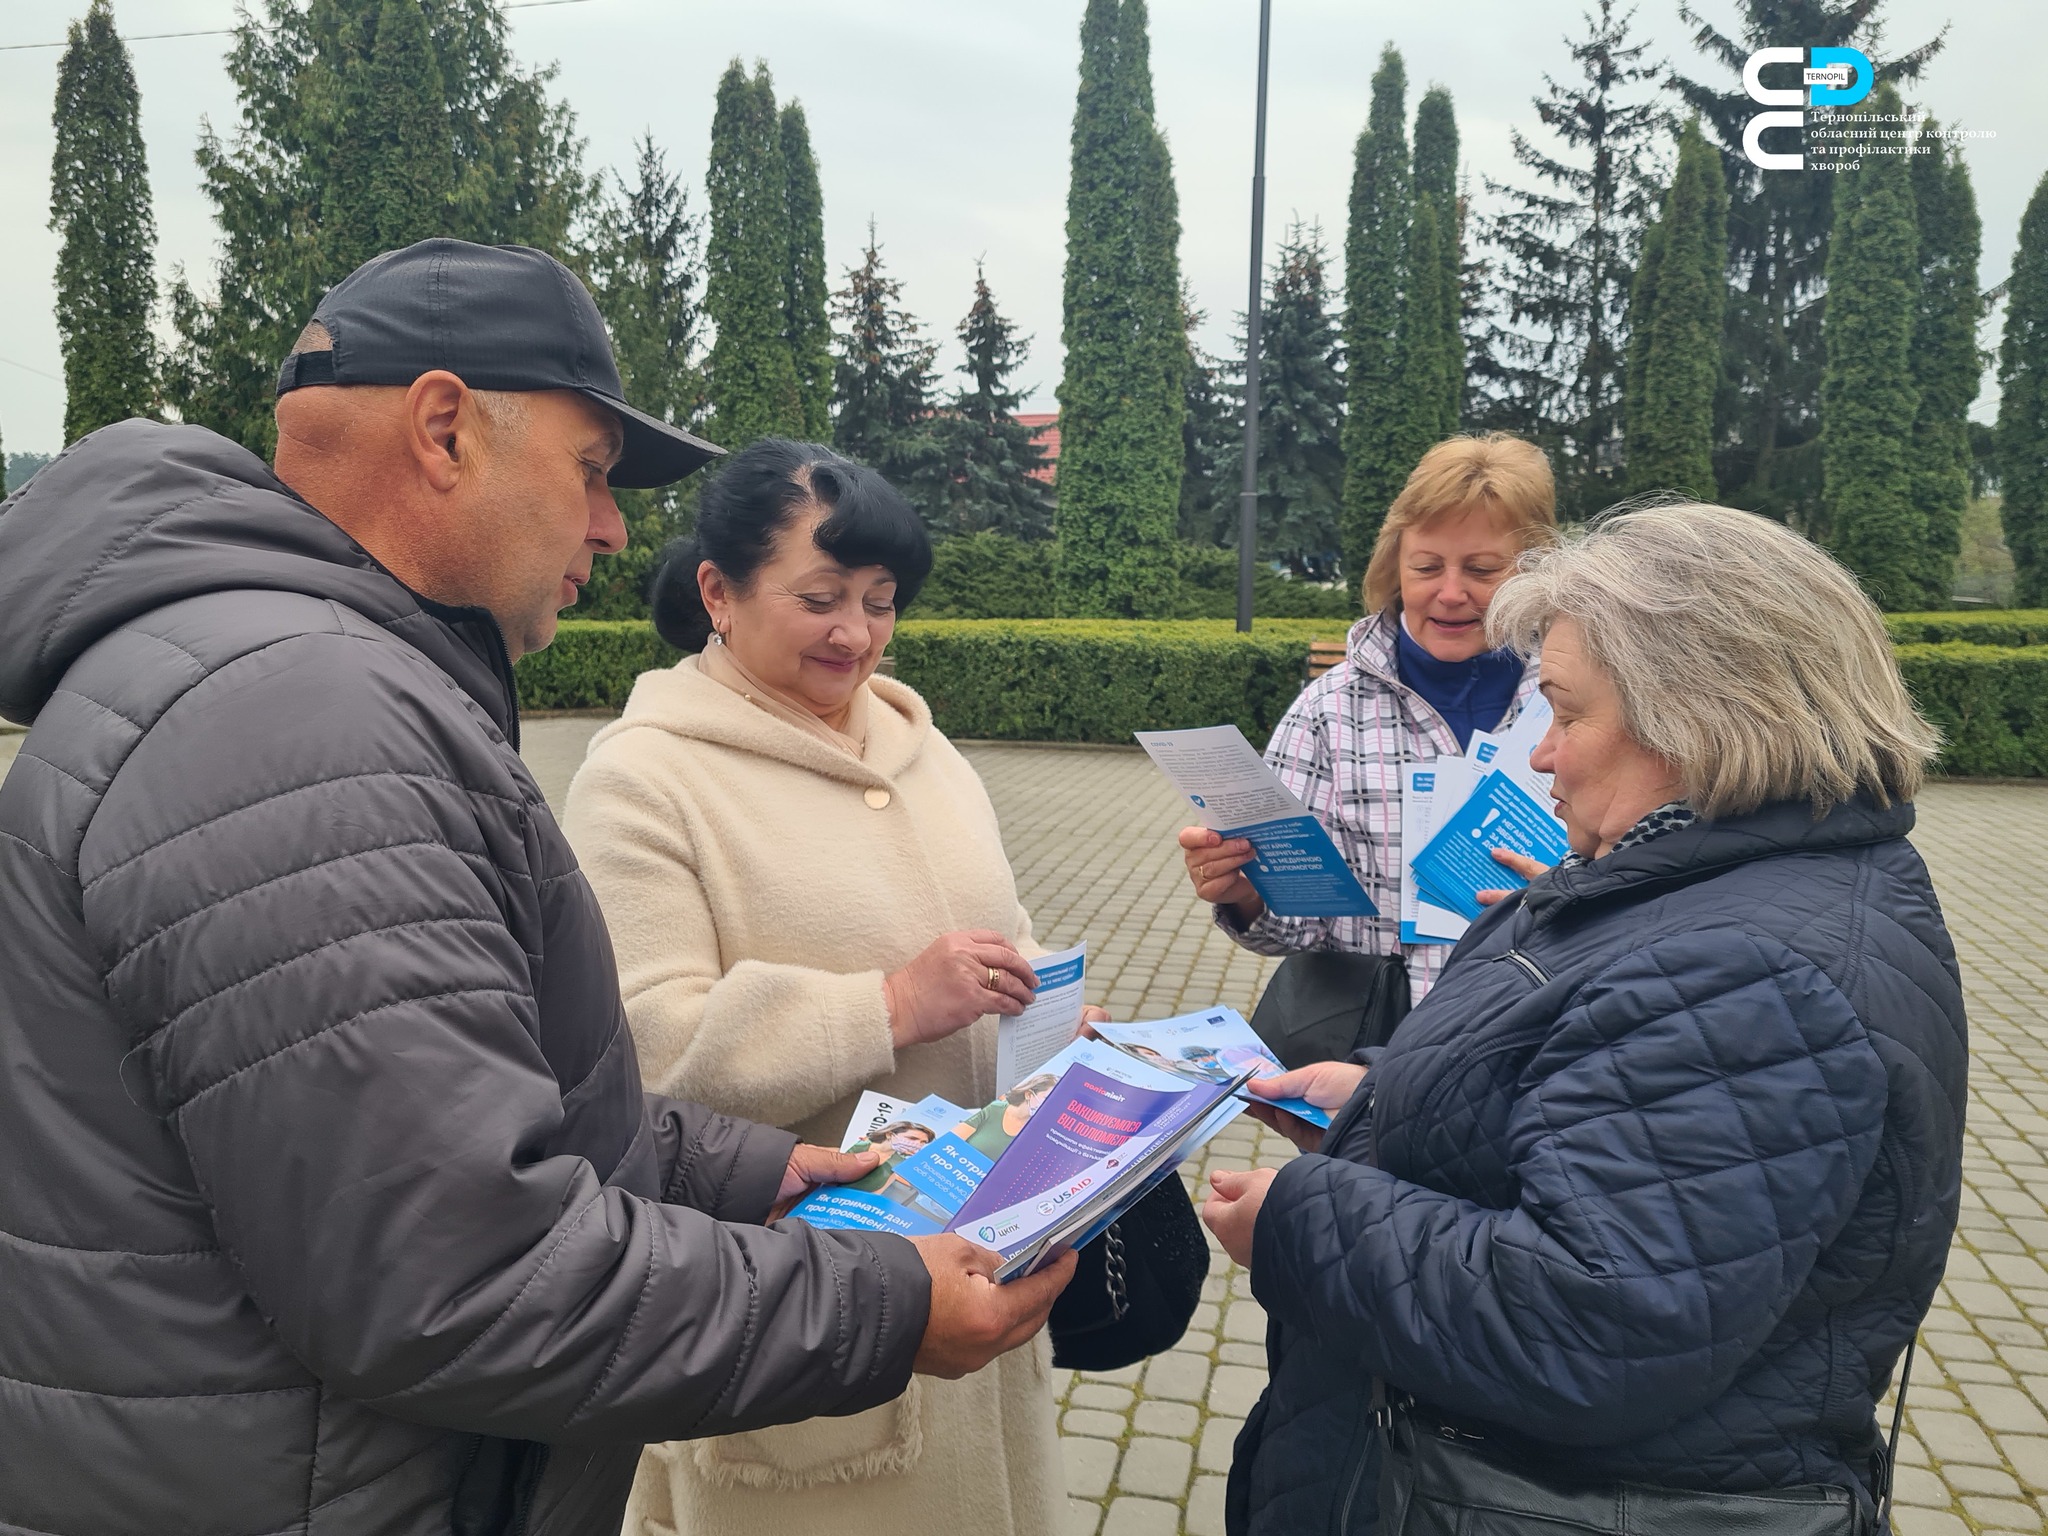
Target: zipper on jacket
1536, 972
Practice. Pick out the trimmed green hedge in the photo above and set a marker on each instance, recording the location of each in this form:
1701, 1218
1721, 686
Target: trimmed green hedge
1098, 680
2006, 628
1990, 703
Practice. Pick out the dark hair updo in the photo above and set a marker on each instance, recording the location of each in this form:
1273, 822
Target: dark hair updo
754, 496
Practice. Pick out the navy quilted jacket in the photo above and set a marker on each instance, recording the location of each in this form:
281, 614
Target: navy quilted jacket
1657, 1182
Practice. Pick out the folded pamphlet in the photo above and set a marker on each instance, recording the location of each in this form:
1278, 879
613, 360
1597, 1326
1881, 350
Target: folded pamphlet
1044, 1167
1025, 1043
1296, 868
1216, 1044
1458, 862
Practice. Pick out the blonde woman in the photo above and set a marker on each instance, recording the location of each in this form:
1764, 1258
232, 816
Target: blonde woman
1634, 1217
808, 895
1418, 677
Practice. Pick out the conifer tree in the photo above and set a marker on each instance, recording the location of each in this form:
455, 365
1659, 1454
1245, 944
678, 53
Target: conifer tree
1422, 415
1123, 395
1551, 363
753, 380
882, 385
1767, 415
1436, 178
1868, 398
386, 174
100, 210
1946, 368
2023, 407
1375, 261
990, 462
808, 327
1301, 415
310, 78
645, 269
1211, 423
1675, 319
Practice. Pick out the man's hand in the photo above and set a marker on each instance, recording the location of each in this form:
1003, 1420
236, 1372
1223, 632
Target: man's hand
811, 1166
1232, 1209
973, 1319
1326, 1084
1521, 864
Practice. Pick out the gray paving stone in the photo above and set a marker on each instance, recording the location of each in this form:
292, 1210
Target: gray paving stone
1205, 1507
1094, 1422
1155, 1468
1917, 1485
1082, 1518
1178, 1376
2004, 1514
1090, 1465
1098, 1394
1178, 1420
1245, 1321
1928, 1522
1234, 1389
1142, 1517
1219, 1437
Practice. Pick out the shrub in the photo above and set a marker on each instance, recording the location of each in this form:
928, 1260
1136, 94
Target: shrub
1098, 680
2000, 627
1989, 702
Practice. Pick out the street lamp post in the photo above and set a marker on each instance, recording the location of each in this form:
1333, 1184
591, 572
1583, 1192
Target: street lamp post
1248, 498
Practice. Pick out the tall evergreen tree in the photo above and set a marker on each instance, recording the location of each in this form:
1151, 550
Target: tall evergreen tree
1301, 415
330, 165
1436, 179
1122, 399
1675, 319
1422, 412
386, 174
753, 381
2023, 407
1211, 422
1868, 398
1551, 364
100, 210
1767, 413
989, 462
1375, 262
645, 268
1946, 368
882, 385
807, 325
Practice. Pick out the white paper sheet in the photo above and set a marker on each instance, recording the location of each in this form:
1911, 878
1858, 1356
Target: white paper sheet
1025, 1043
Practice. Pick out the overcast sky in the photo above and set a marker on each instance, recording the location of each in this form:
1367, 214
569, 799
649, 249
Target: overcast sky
946, 121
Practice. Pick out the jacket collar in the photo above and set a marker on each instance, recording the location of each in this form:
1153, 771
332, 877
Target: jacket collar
1709, 847
685, 703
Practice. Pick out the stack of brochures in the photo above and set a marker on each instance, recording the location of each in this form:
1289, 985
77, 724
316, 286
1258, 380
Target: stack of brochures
1078, 1140
1457, 810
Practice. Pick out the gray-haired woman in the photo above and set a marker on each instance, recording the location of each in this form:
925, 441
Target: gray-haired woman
1640, 1206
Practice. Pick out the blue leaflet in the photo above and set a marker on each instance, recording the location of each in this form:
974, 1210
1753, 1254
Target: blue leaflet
1298, 872
1458, 863
920, 1197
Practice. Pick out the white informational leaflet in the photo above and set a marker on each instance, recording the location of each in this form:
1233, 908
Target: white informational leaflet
1052, 1019
1423, 922
1296, 868
1456, 778
1509, 750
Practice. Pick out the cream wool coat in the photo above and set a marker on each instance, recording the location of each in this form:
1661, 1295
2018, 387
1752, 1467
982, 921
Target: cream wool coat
758, 883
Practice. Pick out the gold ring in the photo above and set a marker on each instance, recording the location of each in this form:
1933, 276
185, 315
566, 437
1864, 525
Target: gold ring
1202, 874
993, 973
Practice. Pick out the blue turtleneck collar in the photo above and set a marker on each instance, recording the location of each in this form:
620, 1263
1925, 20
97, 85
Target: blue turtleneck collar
1471, 695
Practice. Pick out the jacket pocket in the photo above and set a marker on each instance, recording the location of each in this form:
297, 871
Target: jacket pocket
880, 1442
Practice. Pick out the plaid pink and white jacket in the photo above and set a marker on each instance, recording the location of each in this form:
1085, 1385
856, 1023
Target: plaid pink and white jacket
1340, 747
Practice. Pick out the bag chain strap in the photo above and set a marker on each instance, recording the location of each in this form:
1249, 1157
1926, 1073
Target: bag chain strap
1113, 1272
1891, 1457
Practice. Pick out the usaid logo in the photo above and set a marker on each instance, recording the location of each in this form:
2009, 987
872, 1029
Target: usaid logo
1830, 77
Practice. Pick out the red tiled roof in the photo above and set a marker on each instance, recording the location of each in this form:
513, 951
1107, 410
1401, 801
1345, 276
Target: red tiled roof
1045, 431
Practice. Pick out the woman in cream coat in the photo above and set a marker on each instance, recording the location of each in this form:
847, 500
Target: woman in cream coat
809, 897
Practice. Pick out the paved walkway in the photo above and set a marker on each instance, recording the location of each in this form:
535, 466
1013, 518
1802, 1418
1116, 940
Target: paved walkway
1090, 834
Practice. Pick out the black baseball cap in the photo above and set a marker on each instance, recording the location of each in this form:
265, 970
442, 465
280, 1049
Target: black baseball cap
501, 317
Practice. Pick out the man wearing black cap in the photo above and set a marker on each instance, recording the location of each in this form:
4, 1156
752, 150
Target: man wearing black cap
329, 1197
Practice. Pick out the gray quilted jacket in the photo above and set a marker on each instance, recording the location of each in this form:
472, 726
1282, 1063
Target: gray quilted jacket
329, 1197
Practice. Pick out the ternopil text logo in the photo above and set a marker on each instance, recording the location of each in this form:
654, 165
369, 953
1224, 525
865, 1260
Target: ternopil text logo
1832, 77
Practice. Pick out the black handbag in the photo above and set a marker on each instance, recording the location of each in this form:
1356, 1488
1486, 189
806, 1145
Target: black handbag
1441, 1480
1323, 1004
1136, 1287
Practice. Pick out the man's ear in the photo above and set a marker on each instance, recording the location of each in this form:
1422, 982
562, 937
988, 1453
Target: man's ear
443, 427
